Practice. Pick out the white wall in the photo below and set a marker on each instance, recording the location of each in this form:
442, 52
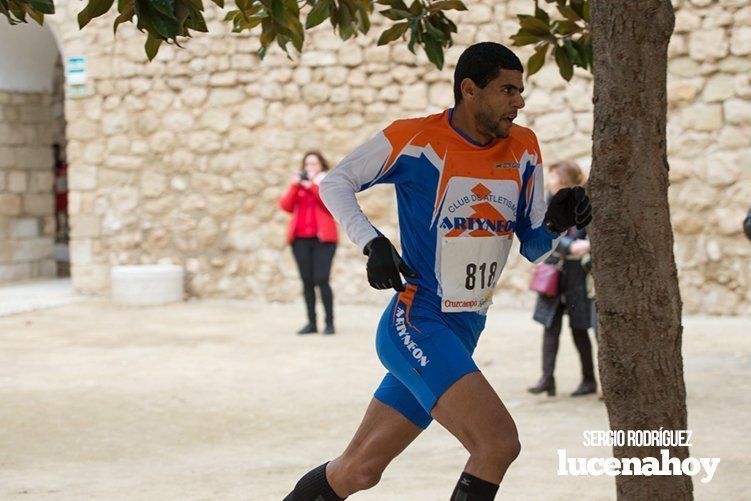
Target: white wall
27, 57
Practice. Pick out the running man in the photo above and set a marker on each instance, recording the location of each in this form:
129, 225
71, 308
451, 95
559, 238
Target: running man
467, 180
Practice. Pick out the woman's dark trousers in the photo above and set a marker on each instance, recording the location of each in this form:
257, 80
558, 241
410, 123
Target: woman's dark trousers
314, 260
550, 348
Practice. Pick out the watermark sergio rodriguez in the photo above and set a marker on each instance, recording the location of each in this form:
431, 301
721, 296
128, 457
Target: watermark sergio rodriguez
664, 464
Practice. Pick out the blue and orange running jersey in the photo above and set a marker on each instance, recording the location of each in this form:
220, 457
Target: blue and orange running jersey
459, 203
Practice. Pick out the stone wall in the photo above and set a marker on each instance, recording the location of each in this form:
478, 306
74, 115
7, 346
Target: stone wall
26, 200
183, 159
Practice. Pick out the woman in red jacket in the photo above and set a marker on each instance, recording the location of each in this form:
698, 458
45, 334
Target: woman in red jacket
313, 236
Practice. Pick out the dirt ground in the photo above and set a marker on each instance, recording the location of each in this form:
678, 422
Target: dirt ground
219, 400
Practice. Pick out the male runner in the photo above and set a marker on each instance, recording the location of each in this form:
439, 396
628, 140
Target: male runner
466, 180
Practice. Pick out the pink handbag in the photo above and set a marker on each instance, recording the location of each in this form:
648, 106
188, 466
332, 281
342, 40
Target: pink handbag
546, 280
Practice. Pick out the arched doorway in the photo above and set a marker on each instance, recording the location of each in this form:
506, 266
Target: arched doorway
33, 191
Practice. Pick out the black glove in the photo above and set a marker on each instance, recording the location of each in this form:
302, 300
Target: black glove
568, 207
384, 265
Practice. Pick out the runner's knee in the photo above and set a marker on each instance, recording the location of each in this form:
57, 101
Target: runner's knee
498, 446
361, 474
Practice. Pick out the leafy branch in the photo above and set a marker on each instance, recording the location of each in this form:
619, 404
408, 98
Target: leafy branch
424, 22
569, 36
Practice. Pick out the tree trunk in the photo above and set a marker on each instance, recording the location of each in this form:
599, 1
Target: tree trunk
638, 300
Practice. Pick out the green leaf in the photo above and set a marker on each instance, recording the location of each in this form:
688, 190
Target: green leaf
166, 27
522, 39
196, 4
413, 37
267, 32
197, 22
578, 7
93, 9
533, 25
542, 15
318, 13
34, 14
566, 27
346, 30
220, 3
165, 7
435, 32
125, 16
574, 53
152, 47
564, 63
397, 4
416, 8
396, 14
434, 51
537, 59
43, 6
448, 5
393, 33
568, 12
277, 10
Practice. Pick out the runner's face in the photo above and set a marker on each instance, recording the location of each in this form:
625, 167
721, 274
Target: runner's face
498, 103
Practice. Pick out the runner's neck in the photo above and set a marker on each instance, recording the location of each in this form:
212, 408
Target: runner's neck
461, 122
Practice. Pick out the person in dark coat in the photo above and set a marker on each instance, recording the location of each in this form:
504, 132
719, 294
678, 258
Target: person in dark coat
747, 225
572, 298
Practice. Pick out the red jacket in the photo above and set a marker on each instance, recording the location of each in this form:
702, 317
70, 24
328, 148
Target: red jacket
291, 201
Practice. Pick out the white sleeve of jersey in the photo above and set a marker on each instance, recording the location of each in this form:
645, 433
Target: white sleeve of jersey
537, 243
357, 171
538, 207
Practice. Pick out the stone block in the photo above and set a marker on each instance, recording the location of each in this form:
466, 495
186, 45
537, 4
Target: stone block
27, 227
350, 55
17, 181
34, 157
315, 93
552, 126
252, 113
740, 41
11, 272
90, 278
719, 88
702, 117
85, 226
414, 97
7, 157
224, 97
147, 284
708, 44
737, 111
32, 249
38, 204
10, 205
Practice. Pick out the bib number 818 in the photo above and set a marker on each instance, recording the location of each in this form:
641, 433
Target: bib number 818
486, 279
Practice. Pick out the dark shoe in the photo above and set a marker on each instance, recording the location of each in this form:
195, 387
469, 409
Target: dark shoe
585, 388
308, 329
329, 329
545, 384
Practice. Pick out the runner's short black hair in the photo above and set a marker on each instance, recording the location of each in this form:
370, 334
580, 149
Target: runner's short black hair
481, 63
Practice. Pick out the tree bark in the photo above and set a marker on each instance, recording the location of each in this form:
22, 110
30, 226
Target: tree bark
638, 299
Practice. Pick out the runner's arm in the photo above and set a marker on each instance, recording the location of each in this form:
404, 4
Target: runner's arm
365, 166
537, 243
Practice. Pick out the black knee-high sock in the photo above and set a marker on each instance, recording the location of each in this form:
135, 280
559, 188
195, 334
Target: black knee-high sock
313, 486
471, 488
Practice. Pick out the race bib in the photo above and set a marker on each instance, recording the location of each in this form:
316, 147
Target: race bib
470, 268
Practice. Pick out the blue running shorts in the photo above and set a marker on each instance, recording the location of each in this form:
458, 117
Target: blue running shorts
425, 352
